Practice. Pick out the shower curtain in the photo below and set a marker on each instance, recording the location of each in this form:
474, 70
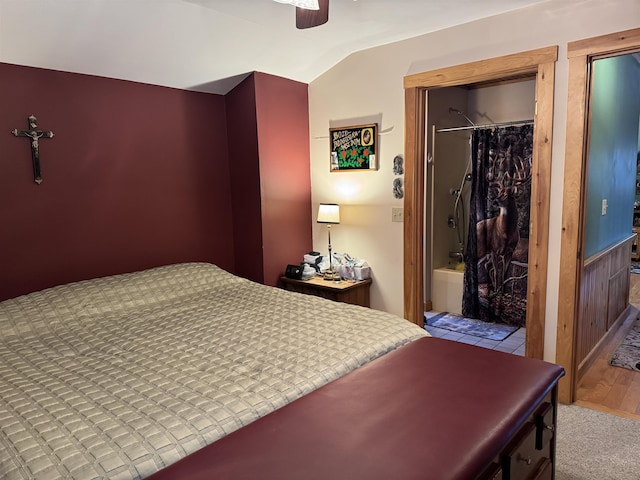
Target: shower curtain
495, 277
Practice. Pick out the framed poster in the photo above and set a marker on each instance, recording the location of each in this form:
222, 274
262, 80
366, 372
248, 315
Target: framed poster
354, 148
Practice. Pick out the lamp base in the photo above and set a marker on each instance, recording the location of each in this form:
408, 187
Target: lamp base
331, 276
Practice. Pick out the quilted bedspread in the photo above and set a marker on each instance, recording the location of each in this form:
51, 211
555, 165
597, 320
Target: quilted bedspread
120, 376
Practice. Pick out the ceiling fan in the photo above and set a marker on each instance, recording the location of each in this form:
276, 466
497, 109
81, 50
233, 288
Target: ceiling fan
309, 13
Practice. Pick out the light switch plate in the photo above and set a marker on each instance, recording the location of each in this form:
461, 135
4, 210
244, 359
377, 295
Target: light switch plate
397, 214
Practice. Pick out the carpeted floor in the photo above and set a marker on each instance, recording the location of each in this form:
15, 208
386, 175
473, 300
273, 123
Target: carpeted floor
469, 326
627, 354
594, 445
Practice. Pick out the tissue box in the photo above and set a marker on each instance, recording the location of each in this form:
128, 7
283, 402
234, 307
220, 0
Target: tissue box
349, 272
362, 273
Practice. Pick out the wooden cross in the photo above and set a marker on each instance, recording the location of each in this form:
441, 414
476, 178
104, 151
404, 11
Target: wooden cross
34, 134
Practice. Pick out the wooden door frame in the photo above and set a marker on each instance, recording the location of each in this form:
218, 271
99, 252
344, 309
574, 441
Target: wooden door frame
541, 63
580, 54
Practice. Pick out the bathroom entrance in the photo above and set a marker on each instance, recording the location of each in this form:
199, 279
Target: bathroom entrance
478, 189
500, 70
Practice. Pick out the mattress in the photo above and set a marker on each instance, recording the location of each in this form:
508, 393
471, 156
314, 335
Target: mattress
120, 376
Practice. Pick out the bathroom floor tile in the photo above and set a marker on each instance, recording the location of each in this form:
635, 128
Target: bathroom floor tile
514, 343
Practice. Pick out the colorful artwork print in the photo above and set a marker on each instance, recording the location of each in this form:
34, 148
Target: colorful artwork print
354, 148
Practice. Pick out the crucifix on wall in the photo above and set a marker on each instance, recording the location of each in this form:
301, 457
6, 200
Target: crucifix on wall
34, 134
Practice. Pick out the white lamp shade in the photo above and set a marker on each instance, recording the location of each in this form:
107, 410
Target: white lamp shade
306, 4
329, 213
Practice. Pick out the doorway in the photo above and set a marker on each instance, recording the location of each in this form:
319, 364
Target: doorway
539, 63
581, 54
463, 274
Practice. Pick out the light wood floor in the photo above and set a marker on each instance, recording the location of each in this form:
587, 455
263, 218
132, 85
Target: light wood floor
613, 389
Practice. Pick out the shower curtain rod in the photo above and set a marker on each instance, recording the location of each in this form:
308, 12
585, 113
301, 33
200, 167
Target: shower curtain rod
488, 125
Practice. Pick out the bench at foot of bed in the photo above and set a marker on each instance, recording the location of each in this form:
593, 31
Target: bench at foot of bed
433, 409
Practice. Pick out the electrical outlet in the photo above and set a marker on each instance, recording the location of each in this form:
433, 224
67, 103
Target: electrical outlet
604, 206
397, 214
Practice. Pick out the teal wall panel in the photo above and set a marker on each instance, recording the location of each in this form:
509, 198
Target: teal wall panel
613, 150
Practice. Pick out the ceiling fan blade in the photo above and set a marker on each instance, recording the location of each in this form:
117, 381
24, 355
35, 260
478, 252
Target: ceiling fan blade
312, 18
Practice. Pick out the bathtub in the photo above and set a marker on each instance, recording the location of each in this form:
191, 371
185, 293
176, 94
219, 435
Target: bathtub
446, 290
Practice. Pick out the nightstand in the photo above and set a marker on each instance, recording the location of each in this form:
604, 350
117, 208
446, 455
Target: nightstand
356, 293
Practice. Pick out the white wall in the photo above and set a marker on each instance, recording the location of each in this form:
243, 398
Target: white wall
502, 103
450, 160
370, 84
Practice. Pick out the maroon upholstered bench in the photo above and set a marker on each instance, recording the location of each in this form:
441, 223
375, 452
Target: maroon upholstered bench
433, 409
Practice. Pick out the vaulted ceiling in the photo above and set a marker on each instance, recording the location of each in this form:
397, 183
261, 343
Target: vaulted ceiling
210, 45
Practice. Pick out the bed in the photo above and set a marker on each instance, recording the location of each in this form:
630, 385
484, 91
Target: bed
119, 377
189, 372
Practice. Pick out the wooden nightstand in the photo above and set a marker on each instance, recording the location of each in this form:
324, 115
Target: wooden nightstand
343, 291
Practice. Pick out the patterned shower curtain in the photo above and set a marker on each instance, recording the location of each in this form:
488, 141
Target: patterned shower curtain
495, 278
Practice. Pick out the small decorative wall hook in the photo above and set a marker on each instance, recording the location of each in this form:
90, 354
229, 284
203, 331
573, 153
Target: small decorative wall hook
398, 167
398, 191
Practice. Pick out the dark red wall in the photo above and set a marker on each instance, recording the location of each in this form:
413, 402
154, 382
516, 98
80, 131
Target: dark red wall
282, 108
244, 166
268, 123
136, 176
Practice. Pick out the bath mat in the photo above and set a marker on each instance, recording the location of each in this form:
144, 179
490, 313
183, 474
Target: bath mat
469, 326
627, 355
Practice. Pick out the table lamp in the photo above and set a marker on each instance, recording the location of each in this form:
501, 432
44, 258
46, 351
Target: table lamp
329, 213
